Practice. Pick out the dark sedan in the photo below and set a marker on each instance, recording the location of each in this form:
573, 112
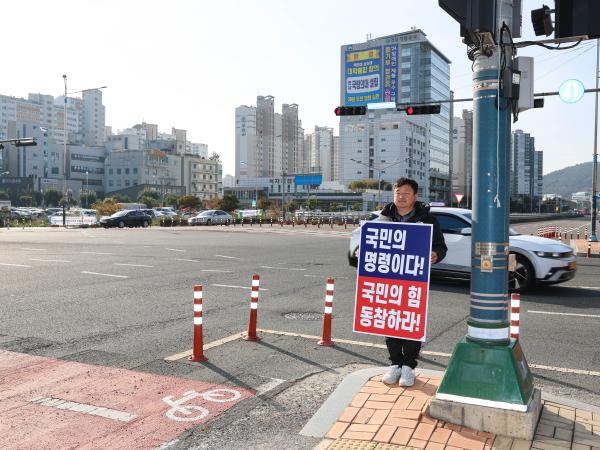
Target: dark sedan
127, 218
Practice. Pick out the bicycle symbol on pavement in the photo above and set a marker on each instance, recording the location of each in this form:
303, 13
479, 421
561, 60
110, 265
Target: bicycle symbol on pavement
189, 413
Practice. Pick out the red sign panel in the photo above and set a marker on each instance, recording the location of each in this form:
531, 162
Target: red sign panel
393, 280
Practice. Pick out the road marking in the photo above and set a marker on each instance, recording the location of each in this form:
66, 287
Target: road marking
83, 408
96, 253
14, 265
311, 276
269, 385
167, 444
236, 287
176, 250
34, 249
132, 265
50, 260
104, 274
563, 314
187, 260
215, 270
208, 346
229, 257
594, 288
279, 268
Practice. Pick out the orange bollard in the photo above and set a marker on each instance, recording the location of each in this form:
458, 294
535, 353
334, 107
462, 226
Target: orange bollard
198, 350
251, 336
326, 337
515, 306
589, 250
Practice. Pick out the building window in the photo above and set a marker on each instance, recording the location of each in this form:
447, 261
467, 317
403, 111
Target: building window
110, 171
118, 171
135, 171
127, 171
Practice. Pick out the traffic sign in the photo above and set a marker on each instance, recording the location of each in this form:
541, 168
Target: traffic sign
571, 91
459, 197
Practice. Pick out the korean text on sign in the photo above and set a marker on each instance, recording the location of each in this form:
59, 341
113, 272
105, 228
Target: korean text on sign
393, 279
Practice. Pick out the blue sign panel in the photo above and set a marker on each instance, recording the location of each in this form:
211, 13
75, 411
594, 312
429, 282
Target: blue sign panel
312, 179
371, 75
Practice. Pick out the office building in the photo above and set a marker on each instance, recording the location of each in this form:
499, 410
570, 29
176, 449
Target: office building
404, 68
462, 154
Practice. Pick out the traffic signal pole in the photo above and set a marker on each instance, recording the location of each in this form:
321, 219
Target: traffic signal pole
487, 384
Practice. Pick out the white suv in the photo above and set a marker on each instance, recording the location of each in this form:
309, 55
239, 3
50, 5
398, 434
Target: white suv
539, 260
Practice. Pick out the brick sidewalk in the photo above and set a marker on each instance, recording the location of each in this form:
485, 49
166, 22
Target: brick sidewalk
391, 417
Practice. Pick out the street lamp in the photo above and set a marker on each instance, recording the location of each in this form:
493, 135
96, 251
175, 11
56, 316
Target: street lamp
379, 172
87, 188
594, 236
65, 136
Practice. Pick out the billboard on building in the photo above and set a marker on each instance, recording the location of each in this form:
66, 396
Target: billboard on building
311, 179
370, 75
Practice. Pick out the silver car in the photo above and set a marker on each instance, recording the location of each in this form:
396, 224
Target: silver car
538, 260
211, 217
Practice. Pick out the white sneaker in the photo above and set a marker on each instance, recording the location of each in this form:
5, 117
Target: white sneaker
408, 376
392, 375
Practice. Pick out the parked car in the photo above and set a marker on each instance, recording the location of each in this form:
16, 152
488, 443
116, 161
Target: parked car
127, 217
211, 217
165, 211
538, 260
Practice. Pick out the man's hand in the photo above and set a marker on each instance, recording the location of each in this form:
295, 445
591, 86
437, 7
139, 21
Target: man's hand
434, 257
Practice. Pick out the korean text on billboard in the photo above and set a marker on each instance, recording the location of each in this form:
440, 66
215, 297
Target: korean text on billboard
371, 75
392, 286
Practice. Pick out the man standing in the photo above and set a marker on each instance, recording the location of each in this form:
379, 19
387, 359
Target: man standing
406, 208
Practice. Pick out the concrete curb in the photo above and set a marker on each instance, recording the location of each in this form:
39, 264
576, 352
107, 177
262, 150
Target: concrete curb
326, 416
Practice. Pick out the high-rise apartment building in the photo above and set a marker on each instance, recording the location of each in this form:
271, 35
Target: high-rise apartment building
267, 143
462, 154
402, 68
85, 116
322, 153
526, 167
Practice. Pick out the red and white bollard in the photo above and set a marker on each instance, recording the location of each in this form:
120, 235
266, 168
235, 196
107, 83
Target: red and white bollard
326, 337
515, 306
251, 336
559, 234
198, 350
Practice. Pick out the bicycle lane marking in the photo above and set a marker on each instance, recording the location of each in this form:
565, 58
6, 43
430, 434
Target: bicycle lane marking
54, 403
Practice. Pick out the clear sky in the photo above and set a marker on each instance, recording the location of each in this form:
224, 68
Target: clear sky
190, 63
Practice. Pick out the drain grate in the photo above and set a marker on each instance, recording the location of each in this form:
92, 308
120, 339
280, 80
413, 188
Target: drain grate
308, 316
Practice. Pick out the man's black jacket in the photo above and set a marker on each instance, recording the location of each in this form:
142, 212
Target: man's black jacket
421, 215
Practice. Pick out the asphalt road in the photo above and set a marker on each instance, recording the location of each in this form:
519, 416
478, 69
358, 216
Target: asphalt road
123, 298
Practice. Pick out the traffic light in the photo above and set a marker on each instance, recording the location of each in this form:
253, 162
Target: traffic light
421, 109
350, 110
576, 18
542, 22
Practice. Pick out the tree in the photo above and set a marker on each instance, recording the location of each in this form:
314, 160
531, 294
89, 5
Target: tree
106, 207
264, 203
312, 204
25, 199
189, 201
121, 198
291, 206
229, 203
88, 197
212, 203
149, 197
52, 197
215, 157
170, 199
4, 195
357, 207
38, 198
